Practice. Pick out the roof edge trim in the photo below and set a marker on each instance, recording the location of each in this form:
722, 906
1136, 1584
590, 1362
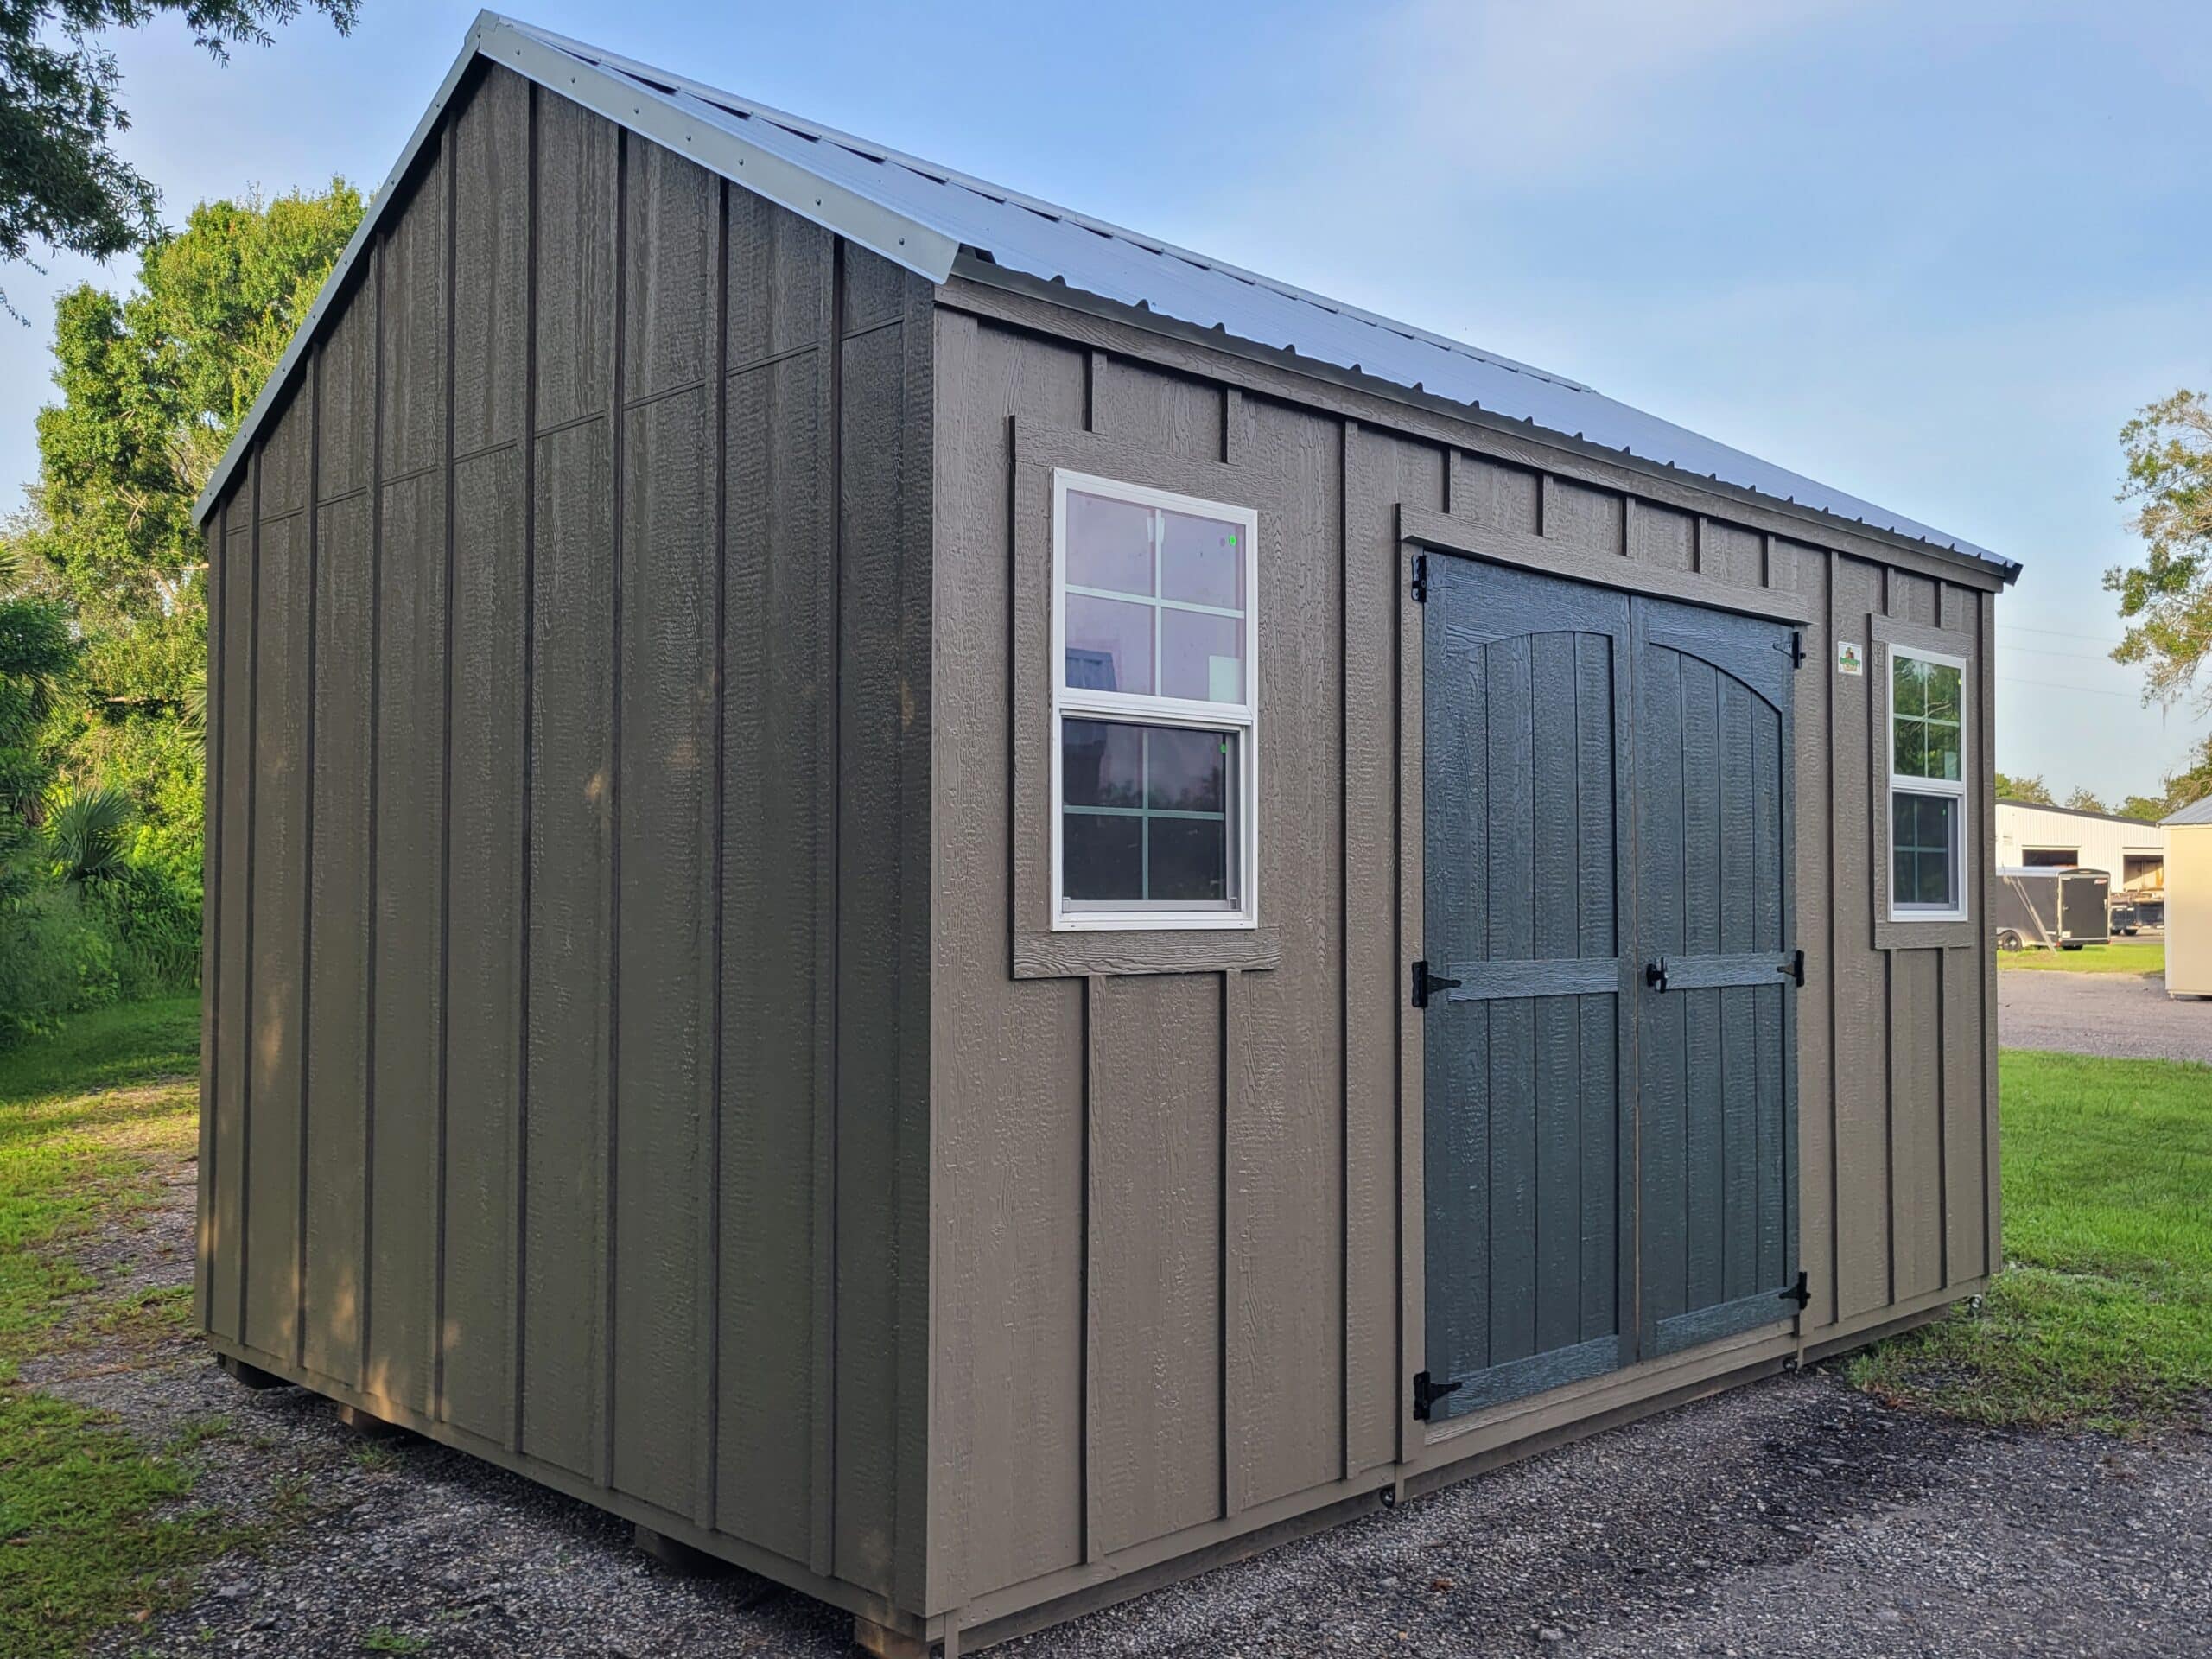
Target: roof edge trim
919, 247
1996, 573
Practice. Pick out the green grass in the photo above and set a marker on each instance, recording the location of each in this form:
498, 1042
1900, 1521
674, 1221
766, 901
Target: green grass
92, 1526
2103, 1317
2115, 958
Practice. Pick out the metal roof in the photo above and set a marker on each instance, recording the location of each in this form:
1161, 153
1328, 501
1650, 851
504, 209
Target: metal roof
927, 217
2194, 812
2075, 811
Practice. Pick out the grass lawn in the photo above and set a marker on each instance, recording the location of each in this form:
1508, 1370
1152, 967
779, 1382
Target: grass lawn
2115, 958
2103, 1319
92, 1526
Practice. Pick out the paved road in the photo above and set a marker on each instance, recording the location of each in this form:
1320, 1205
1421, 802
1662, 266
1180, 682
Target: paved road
2125, 1015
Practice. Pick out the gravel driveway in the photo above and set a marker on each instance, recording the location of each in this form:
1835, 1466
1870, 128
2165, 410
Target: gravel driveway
2126, 1016
1793, 1516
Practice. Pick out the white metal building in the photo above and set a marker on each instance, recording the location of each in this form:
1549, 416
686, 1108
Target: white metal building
2127, 849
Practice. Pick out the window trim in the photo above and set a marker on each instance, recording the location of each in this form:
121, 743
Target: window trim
1956, 789
1064, 703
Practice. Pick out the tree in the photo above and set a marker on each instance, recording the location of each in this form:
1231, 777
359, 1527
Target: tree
153, 386
2166, 601
2030, 790
62, 185
2193, 782
2149, 808
2085, 800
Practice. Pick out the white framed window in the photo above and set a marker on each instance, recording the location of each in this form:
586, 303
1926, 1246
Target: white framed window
1155, 708
1928, 790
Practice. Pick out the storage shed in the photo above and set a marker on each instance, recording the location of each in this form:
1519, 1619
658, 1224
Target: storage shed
2188, 901
975, 912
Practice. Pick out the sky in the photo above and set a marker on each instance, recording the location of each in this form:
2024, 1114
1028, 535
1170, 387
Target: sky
1934, 256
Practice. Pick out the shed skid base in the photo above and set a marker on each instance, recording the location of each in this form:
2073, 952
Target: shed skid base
368, 1423
253, 1376
887, 1643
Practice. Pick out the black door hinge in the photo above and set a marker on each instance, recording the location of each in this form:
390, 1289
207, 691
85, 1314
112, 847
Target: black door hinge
1426, 983
1794, 651
1655, 974
1426, 1394
1801, 1293
1793, 969
1420, 578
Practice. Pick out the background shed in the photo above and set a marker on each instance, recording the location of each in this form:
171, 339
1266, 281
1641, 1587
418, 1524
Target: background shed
643, 1047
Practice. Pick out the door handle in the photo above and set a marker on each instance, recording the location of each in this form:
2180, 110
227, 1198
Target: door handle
1655, 974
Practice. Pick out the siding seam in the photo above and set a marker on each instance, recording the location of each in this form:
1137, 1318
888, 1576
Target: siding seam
363, 1311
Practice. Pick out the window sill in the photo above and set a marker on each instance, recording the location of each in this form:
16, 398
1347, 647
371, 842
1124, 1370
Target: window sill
1914, 934
1079, 952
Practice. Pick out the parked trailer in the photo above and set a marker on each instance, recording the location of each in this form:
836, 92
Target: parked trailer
2061, 910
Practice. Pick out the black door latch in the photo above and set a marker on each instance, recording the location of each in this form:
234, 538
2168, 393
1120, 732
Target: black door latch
1426, 1394
1655, 974
1425, 982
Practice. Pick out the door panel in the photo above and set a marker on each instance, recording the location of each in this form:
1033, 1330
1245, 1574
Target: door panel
1609, 1151
1525, 706
1711, 778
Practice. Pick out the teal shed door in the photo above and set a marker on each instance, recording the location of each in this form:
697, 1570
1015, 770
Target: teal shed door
1610, 1156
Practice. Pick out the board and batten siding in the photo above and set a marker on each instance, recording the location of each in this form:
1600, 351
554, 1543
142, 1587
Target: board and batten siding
1170, 1206
573, 604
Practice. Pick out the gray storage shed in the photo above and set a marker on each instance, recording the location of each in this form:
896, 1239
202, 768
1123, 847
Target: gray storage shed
976, 911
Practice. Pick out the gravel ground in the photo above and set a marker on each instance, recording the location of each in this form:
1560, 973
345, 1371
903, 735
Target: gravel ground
2125, 1016
1794, 1516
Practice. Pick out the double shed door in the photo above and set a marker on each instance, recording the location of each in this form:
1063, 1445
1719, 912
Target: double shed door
1611, 1158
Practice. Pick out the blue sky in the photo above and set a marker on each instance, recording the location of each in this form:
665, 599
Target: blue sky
1934, 256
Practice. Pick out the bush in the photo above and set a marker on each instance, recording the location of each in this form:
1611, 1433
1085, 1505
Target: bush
55, 960
155, 921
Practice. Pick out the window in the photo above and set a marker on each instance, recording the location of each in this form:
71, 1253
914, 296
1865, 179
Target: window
1928, 791
2050, 858
1155, 721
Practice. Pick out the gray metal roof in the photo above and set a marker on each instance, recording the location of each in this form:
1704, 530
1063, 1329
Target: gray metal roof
927, 216
2194, 812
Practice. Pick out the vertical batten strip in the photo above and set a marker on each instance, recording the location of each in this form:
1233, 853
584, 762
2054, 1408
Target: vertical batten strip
1094, 989
364, 1323
1991, 1192
518, 1254
1347, 608
1835, 977
710, 1397
1232, 1227
828, 962
439, 1410
313, 395
245, 1182
613, 1237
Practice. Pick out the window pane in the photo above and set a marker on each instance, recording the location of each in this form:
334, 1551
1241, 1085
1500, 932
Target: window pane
1202, 656
1109, 645
1912, 749
1109, 544
1943, 692
1942, 751
1190, 859
1924, 836
1102, 764
1201, 561
1908, 680
1102, 855
1188, 770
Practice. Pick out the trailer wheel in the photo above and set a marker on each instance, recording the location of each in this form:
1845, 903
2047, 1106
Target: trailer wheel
2007, 939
